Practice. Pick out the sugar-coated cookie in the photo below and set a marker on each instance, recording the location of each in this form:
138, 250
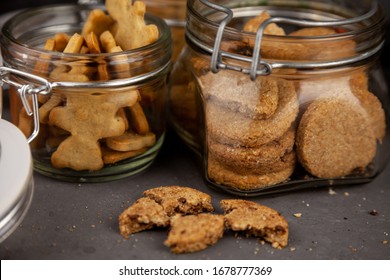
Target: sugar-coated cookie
334, 138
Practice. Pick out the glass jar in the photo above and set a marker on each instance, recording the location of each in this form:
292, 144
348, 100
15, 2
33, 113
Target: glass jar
291, 99
174, 13
89, 117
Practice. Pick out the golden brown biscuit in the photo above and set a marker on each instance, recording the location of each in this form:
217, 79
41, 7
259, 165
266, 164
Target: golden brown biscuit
182, 200
334, 138
144, 214
194, 233
130, 141
138, 119
257, 220
89, 118
111, 156
229, 127
254, 23
97, 22
371, 103
131, 31
223, 175
313, 31
235, 91
333, 49
268, 157
253, 167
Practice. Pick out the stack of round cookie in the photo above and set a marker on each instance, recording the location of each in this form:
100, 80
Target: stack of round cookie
250, 129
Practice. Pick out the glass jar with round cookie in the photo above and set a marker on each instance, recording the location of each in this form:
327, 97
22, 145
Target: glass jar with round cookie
87, 87
283, 95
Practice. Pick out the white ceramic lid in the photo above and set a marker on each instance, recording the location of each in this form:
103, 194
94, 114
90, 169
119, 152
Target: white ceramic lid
15, 174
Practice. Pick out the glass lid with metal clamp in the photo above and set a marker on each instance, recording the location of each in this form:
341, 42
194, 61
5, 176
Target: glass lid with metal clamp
283, 95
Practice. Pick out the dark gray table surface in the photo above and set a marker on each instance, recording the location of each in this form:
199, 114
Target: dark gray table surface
79, 221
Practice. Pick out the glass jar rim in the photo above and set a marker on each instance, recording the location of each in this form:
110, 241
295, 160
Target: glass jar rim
7, 28
208, 26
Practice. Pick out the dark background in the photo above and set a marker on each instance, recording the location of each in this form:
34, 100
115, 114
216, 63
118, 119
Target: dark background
19, 4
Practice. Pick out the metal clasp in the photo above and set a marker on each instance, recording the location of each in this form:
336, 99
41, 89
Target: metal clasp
262, 67
38, 86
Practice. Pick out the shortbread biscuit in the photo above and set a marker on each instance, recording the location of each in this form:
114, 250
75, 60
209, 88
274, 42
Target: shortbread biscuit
89, 118
313, 31
253, 24
144, 214
223, 175
263, 157
257, 220
337, 48
130, 141
235, 91
370, 103
260, 167
229, 127
131, 31
111, 156
181, 200
334, 138
194, 233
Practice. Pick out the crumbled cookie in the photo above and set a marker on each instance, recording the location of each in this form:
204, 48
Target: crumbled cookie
334, 138
242, 180
257, 220
144, 214
194, 233
180, 200
228, 127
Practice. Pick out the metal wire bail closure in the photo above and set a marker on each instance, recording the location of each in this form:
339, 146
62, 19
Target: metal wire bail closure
261, 67
27, 90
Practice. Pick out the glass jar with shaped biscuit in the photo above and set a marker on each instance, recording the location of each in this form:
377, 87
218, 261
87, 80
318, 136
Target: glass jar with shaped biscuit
174, 13
281, 95
87, 86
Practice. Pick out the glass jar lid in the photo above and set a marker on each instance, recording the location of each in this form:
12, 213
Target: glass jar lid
16, 188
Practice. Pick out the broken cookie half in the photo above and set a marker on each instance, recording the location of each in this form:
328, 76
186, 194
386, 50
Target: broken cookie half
144, 214
256, 220
159, 204
194, 233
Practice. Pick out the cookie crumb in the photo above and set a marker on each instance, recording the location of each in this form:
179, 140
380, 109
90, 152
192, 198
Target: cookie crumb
346, 193
297, 215
385, 242
332, 192
292, 249
373, 212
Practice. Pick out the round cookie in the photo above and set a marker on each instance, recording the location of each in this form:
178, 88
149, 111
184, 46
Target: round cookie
337, 48
334, 138
229, 127
244, 181
370, 103
235, 91
270, 157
